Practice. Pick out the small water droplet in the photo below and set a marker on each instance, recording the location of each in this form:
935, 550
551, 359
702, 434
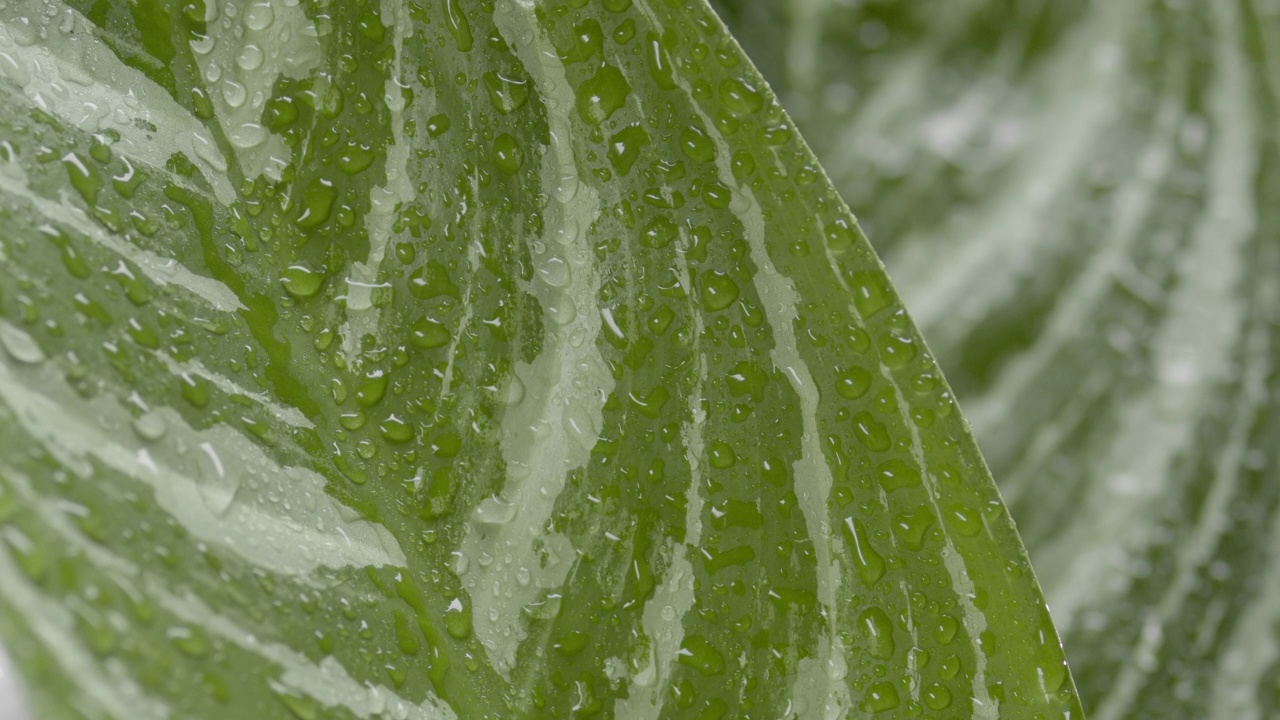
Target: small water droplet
301, 282
937, 697
877, 633
881, 697
203, 44
206, 150
19, 345
719, 291
566, 233
218, 486
562, 310
234, 93
495, 511
579, 425
248, 135
567, 189
700, 655
460, 564
259, 15
250, 57
869, 563
150, 426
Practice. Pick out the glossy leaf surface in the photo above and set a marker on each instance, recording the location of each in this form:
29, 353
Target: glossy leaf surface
467, 359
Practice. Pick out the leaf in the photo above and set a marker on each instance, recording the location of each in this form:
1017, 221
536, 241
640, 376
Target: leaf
1076, 201
464, 359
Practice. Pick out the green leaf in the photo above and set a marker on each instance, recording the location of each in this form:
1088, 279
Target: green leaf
1078, 204
467, 359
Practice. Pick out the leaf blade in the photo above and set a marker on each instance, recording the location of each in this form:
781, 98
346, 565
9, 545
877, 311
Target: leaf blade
532, 543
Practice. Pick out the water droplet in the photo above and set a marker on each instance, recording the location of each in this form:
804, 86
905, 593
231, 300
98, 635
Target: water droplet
458, 25
949, 667
460, 564
506, 93
579, 426
554, 271
507, 155
779, 133
259, 15
562, 310
740, 97
355, 157
877, 633
870, 294
317, 203
895, 474
395, 430
697, 145
407, 634
428, 334
150, 426
194, 390
301, 282
944, 630
659, 233
457, 620
868, 562
966, 521
650, 405
881, 697
566, 233
203, 44
217, 486
625, 146
852, 383
250, 57
207, 151
248, 135
495, 511
910, 527
700, 655
234, 93
659, 64
432, 280
897, 350
839, 236
572, 642
719, 291
871, 432
720, 455
546, 607
437, 125
84, 178
937, 697
837, 668
372, 388
19, 345
602, 94
567, 189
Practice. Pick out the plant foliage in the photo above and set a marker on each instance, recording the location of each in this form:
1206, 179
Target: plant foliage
449, 358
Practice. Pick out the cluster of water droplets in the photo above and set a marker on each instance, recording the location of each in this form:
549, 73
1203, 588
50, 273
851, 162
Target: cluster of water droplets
247, 45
